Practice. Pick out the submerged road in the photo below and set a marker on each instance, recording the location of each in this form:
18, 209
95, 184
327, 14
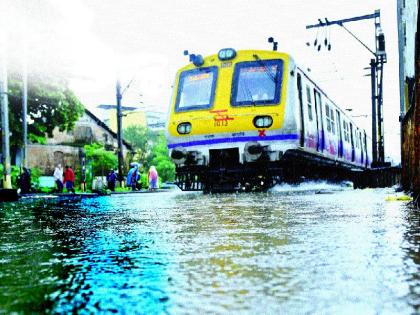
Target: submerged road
312, 249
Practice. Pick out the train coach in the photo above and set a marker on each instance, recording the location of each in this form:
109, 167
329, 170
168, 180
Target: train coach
245, 120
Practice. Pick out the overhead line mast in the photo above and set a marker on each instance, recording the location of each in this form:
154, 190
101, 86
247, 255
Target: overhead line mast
376, 66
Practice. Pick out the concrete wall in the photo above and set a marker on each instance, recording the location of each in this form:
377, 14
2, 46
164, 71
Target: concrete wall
46, 157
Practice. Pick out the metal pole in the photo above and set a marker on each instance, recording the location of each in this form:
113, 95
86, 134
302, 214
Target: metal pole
25, 112
119, 134
82, 155
24, 151
7, 183
380, 59
381, 146
374, 131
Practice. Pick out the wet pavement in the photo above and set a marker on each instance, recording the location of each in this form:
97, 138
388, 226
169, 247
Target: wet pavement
311, 249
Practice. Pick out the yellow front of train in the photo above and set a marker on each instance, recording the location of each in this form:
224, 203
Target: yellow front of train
227, 109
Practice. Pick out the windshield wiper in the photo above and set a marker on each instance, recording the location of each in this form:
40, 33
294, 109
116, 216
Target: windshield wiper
248, 92
266, 70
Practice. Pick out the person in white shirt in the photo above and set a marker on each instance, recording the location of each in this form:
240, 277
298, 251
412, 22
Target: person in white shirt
58, 176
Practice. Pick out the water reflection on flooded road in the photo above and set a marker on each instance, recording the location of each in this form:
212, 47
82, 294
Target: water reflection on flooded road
315, 248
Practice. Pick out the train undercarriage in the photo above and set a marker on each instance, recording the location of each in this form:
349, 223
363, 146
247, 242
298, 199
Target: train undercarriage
225, 174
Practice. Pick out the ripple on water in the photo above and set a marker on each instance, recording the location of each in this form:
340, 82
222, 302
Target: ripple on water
315, 248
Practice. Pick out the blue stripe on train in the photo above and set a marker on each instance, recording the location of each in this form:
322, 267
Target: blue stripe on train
232, 140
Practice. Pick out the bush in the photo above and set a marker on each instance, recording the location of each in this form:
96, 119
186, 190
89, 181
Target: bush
35, 175
15, 172
100, 159
46, 190
151, 149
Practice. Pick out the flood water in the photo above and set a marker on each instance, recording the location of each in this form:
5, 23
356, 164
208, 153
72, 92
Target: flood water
312, 249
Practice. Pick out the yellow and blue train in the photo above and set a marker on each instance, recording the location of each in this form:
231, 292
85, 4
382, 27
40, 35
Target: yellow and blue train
244, 120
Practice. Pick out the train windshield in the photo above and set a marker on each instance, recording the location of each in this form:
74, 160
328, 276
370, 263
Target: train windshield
196, 89
257, 82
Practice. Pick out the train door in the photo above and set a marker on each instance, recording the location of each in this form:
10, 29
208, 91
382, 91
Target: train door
318, 131
319, 121
302, 120
340, 135
352, 142
365, 148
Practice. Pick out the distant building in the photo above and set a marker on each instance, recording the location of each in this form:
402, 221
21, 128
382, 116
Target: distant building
409, 62
130, 118
109, 112
133, 116
156, 120
66, 147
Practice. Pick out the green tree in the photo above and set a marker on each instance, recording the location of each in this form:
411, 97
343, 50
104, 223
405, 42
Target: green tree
161, 160
142, 139
151, 149
51, 104
100, 159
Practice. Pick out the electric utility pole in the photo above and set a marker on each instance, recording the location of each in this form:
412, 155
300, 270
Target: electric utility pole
24, 150
119, 133
7, 183
376, 67
25, 110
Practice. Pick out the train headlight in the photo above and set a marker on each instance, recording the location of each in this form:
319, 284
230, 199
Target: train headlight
263, 121
184, 128
227, 54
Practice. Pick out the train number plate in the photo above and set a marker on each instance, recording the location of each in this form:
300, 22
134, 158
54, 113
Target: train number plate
221, 117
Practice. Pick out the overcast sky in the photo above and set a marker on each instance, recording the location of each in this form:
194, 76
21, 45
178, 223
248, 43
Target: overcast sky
90, 41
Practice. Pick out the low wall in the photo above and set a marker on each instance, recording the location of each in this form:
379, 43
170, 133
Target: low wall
46, 157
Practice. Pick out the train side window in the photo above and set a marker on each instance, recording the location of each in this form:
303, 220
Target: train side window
309, 101
357, 140
362, 144
356, 145
332, 121
327, 117
346, 131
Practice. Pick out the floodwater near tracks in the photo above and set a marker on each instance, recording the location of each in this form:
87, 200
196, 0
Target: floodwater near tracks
311, 249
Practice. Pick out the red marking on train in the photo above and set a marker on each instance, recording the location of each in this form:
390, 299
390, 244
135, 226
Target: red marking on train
221, 115
261, 133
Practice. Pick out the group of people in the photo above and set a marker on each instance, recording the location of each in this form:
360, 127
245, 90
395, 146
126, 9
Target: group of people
134, 178
64, 177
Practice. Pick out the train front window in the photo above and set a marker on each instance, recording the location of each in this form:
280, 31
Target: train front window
196, 89
257, 82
